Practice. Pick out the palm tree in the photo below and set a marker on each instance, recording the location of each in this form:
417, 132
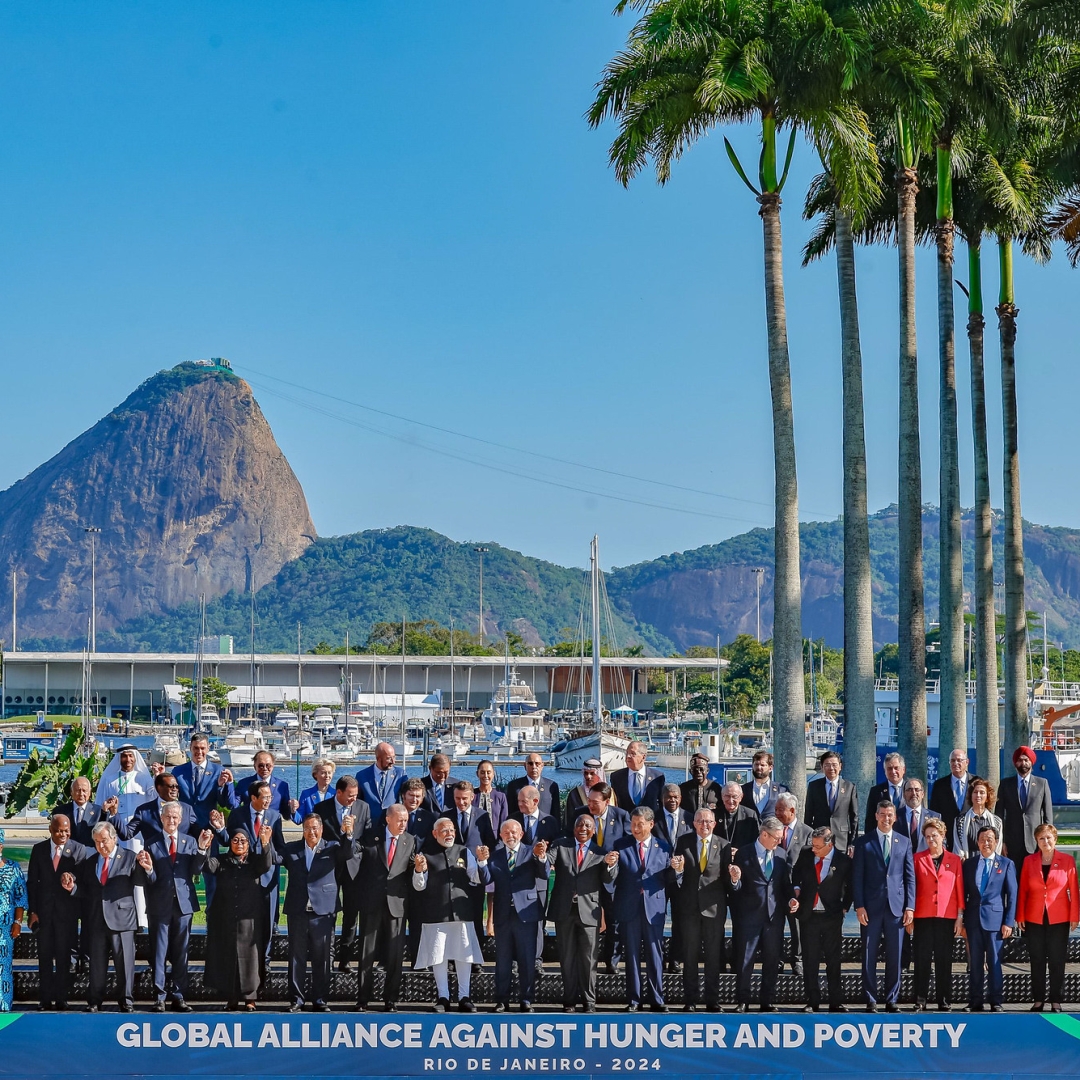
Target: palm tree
690, 66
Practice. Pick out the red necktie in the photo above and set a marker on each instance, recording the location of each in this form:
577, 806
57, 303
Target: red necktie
258, 827
172, 848
104, 871
817, 870
580, 855
56, 859
641, 853
390, 853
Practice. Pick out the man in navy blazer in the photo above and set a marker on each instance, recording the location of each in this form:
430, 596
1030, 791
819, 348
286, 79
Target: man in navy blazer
519, 873
989, 917
439, 785
280, 798
761, 793
311, 905
380, 783
146, 821
81, 812
672, 824
534, 777
421, 820
171, 901
529, 813
640, 907
913, 815
760, 897
203, 784
637, 785
883, 892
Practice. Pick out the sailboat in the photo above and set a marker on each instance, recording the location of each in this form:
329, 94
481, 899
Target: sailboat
605, 746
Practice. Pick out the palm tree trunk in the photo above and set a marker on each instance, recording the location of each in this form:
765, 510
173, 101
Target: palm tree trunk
859, 716
789, 703
987, 748
1016, 717
953, 731
911, 630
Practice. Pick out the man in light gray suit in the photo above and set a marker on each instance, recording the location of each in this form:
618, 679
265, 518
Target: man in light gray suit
1023, 804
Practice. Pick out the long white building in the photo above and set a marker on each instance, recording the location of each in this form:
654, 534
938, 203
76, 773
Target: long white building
132, 685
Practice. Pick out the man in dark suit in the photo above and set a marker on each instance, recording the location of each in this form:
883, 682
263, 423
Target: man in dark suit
146, 822
988, 918
737, 824
380, 783
760, 896
535, 824
912, 816
421, 819
891, 788
821, 882
534, 777
311, 905
701, 862
796, 837
203, 784
761, 792
1023, 804
439, 785
519, 873
386, 860
948, 793
834, 801
53, 913
883, 891
109, 882
672, 823
583, 873
611, 824
251, 816
81, 812
641, 907
281, 800
637, 785
171, 902
346, 803
699, 792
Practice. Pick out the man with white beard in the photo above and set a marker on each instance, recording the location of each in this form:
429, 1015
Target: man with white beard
442, 875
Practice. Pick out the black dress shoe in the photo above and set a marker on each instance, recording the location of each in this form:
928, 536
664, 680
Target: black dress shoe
658, 1006
1000, 1008
633, 1007
526, 1007
765, 1006
587, 1008
442, 1004
296, 1006
158, 1006
127, 1008
360, 1006
321, 1006
872, 1007
61, 1006
571, 1008
838, 1008
920, 1006
91, 1008
390, 1006
465, 1005
944, 1006
500, 1007
810, 1008
1037, 1006
742, 1007
891, 1006
689, 1007
343, 965
181, 1006
713, 1006
796, 969
1055, 1007
975, 1008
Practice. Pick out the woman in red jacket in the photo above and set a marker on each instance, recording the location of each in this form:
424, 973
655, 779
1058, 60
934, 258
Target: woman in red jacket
1048, 909
939, 905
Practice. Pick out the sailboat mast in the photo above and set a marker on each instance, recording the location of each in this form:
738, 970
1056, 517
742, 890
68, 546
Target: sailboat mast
597, 695
403, 689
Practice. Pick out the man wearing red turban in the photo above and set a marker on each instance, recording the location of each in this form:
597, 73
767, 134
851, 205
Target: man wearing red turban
1023, 804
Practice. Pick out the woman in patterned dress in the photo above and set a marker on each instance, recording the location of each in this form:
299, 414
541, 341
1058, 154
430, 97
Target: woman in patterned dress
12, 907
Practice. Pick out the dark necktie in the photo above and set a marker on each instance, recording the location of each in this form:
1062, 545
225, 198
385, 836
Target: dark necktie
172, 848
464, 827
1023, 794
511, 858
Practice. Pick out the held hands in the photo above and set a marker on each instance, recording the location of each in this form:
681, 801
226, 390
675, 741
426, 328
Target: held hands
540, 849
958, 929
864, 919
204, 839
156, 768
611, 858
1006, 932
482, 854
347, 823
734, 872
226, 777
294, 805
793, 905
67, 881
420, 864
144, 860
111, 805
217, 820
265, 835
677, 863
909, 916
33, 920
16, 929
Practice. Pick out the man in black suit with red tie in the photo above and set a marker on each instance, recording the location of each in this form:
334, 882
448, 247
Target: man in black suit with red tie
53, 911
821, 881
701, 863
386, 873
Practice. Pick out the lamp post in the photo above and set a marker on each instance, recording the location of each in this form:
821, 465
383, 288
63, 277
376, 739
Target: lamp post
93, 532
481, 551
759, 573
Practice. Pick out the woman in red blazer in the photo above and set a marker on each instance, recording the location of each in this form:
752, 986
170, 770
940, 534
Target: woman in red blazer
939, 906
1048, 909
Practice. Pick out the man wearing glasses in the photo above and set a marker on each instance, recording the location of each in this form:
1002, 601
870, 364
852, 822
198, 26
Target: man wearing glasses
548, 789
280, 799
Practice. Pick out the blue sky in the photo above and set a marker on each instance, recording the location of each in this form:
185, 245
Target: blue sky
398, 204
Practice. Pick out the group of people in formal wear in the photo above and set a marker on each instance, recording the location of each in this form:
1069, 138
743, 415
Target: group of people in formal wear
422, 869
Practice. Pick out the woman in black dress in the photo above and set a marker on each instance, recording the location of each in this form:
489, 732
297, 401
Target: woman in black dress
234, 921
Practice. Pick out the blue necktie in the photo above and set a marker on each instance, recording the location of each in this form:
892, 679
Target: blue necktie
986, 875
637, 787
832, 796
1023, 794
